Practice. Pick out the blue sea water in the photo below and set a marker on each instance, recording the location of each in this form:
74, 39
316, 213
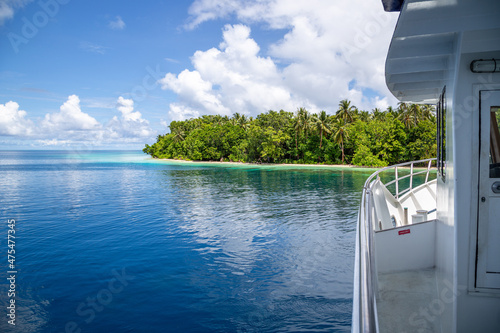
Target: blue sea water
110, 241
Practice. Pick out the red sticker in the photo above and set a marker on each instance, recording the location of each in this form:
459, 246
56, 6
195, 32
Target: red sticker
404, 232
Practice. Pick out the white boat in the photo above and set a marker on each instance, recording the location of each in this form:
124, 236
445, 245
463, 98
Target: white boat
428, 256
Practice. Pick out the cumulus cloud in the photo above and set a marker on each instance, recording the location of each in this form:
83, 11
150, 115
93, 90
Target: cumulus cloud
192, 89
13, 121
228, 79
126, 107
117, 24
180, 112
70, 117
73, 126
325, 46
130, 125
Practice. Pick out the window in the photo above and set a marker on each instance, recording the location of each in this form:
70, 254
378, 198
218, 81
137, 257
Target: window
495, 142
441, 134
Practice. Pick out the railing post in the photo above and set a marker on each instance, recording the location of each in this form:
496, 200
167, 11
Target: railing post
428, 171
369, 321
411, 176
397, 182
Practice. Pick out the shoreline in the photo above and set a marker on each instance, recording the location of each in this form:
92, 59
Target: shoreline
277, 165
332, 166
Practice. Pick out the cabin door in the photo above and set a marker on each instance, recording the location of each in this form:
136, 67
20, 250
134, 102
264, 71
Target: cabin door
488, 255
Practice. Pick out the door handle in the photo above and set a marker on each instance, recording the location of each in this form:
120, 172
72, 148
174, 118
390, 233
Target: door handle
495, 187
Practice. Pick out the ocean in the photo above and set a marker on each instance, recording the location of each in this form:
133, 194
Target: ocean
113, 241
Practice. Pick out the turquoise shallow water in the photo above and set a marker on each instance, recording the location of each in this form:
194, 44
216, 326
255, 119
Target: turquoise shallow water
115, 242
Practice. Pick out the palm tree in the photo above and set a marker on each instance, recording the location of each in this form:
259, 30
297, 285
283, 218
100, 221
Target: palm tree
242, 120
378, 114
297, 125
305, 120
364, 116
197, 123
345, 110
179, 134
428, 112
322, 123
391, 110
340, 134
219, 120
406, 114
416, 111
403, 106
406, 119
235, 119
246, 122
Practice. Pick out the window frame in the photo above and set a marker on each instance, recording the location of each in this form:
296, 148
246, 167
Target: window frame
441, 134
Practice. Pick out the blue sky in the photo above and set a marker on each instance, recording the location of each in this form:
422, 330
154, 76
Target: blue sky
113, 74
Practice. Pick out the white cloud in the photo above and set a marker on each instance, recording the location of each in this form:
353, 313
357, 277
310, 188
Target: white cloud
228, 79
192, 89
13, 121
180, 112
126, 107
326, 45
72, 126
54, 142
70, 117
99, 103
7, 8
381, 103
171, 60
130, 126
202, 11
117, 24
6, 12
93, 48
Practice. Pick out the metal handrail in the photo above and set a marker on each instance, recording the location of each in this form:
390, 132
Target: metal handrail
367, 320
397, 178
367, 314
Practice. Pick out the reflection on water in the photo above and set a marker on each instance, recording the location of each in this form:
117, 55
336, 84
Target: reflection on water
211, 248
294, 227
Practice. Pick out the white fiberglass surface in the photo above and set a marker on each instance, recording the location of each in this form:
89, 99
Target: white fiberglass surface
407, 301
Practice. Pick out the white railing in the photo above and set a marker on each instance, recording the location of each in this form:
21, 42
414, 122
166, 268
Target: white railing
411, 175
365, 281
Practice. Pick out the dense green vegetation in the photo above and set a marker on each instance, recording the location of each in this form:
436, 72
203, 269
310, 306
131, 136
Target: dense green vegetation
352, 136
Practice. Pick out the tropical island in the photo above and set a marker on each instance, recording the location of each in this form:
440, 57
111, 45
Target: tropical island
350, 136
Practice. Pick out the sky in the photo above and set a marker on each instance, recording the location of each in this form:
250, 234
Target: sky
113, 74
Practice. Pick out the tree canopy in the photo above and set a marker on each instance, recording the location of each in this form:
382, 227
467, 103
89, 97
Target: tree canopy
352, 136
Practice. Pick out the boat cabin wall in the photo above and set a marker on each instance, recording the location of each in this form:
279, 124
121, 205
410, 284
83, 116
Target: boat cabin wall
475, 311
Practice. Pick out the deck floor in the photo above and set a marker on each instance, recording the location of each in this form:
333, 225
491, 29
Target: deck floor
407, 302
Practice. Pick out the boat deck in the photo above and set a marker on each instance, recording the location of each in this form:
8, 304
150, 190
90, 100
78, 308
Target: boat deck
406, 301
